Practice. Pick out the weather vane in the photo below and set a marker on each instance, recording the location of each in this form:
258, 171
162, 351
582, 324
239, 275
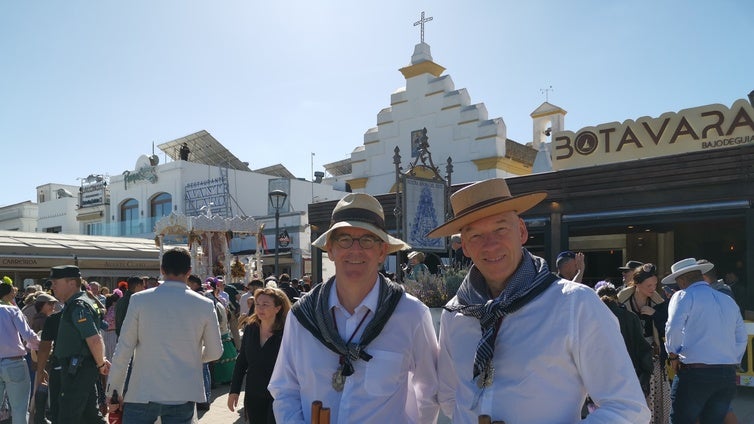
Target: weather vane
421, 23
546, 92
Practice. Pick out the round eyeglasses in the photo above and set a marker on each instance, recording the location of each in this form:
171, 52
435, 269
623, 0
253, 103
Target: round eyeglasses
345, 241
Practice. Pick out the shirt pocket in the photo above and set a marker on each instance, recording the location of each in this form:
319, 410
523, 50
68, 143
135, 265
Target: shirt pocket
384, 373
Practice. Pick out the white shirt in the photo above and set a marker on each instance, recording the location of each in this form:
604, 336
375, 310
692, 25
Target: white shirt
398, 385
705, 326
548, 355
170, 331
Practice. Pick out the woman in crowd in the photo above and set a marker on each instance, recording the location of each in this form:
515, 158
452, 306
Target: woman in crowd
259, 350
632, 331
109, 336
222, 369
641, 298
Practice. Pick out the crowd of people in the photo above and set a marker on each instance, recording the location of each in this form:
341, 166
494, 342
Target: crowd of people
517, 343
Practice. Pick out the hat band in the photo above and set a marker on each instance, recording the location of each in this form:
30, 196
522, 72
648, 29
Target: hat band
482, 204
358, 214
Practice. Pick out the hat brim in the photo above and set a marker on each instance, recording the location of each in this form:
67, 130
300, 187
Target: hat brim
518, 204
394, 244
670, 279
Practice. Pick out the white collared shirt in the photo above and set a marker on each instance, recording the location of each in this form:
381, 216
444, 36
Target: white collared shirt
548, 355
705, 326
398, 385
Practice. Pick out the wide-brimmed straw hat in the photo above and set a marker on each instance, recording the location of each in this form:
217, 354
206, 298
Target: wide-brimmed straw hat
683, 266
483, 199
363, 211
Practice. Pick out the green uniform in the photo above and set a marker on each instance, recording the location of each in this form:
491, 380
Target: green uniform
79, 320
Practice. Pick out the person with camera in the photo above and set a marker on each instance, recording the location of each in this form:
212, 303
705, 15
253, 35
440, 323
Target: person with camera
79, 348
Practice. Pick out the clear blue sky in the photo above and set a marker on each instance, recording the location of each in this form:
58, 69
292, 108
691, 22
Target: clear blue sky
87, 87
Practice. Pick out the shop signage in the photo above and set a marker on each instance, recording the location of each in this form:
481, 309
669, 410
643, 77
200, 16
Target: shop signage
92, 195
145, 173
89, 263
706, 127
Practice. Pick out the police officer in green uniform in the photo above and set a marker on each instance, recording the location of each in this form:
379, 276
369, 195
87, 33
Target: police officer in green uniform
79, 349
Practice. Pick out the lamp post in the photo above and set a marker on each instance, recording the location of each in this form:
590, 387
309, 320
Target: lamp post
277, 199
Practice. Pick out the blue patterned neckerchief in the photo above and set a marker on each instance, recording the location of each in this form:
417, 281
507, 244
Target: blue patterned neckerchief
529, 280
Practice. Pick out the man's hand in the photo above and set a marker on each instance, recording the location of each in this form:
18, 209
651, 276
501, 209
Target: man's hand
104, 367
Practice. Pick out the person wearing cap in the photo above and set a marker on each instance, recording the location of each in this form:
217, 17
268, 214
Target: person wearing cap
570, 265
627, 271
704, 352
416, 268
170, 331
79, 348
371, 349
15, 381
518, 343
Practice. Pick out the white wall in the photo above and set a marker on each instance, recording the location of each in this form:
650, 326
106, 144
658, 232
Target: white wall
19, 217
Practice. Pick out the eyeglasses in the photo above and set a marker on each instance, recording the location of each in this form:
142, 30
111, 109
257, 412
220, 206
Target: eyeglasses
345, 241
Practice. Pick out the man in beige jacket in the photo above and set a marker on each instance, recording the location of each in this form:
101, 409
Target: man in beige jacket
170, 331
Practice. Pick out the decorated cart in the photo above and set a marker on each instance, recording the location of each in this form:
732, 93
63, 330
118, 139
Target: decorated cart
209, 238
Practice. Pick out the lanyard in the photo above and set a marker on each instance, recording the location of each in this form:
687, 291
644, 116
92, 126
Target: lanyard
335, 322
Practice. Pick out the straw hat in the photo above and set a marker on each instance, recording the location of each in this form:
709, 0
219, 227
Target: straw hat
363, 211
483, 199
683, 266
416, 254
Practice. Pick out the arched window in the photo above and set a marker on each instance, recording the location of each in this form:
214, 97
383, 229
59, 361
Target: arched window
161, 205
129, 217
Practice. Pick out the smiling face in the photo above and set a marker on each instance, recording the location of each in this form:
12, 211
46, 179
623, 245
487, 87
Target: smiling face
356, 265
494, 245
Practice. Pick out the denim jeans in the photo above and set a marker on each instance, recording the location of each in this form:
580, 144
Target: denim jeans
14, 380
702, 393
207, 381
147, 413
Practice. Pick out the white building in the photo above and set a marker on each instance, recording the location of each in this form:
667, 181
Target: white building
19, 217
456, 128
213, 181
57, 205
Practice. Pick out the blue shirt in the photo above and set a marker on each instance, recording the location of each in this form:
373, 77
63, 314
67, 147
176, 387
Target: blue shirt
705, 326
13, 324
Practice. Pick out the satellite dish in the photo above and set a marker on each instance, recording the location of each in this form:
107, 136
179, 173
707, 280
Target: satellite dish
63, 193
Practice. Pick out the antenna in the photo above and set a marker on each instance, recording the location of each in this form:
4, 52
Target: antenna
546, 92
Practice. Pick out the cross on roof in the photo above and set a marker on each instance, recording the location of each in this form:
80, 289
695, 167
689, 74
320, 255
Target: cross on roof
421, 22
546, 92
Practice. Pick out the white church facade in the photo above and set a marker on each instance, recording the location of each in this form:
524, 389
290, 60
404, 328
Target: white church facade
456, 128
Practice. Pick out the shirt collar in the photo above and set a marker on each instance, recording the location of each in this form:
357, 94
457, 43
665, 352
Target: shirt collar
369, 302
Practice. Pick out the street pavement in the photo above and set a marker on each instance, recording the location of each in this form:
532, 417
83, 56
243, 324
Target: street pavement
743, 406
220, 414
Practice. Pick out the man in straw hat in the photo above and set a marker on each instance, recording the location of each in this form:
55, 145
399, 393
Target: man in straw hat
704, 352
516, 342
362, 335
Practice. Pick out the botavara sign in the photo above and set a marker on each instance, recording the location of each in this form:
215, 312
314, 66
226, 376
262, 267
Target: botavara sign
706, 127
